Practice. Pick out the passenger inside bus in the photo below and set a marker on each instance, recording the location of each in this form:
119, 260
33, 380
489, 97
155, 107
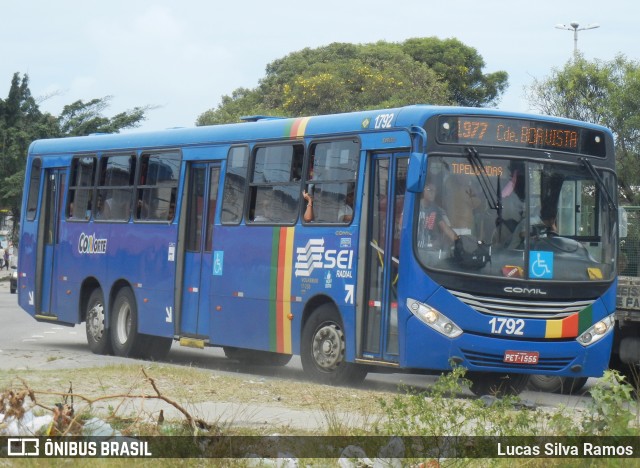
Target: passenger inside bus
308, 212
345, 215
434, 228
262, 212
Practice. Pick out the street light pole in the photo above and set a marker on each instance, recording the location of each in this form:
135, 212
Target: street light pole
575, 27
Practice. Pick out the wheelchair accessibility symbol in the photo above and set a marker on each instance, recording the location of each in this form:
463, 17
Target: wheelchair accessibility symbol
218, 257
541, 264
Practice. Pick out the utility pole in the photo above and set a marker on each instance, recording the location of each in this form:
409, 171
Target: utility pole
575, 27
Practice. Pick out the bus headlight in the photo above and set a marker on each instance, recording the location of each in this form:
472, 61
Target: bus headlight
434, 319
596, 331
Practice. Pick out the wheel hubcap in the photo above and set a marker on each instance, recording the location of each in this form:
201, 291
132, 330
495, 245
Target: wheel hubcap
124, 323
328, 347
96, 321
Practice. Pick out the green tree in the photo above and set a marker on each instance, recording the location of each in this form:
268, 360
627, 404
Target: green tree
344, 77
601, 92
22, 122
461, 67
85, 118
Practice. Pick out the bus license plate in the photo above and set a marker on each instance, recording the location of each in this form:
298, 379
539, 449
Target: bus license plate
521, 357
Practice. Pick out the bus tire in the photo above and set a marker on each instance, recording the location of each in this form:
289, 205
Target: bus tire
125, 339
96, 324
323, 350
255, 357
553, 384
496, 383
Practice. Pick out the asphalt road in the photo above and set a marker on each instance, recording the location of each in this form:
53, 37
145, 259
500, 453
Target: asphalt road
27, 344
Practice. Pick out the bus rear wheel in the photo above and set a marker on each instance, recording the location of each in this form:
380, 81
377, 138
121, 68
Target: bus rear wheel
96, 324
497, 384
125, 339
323, 347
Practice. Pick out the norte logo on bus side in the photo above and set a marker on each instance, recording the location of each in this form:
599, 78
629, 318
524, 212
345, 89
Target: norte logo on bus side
314, 255
90, 244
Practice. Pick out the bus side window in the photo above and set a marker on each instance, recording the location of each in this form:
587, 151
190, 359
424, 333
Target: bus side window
83, 171
157, 186
234, 185
115, 187
331, 181
275, 184
34, 189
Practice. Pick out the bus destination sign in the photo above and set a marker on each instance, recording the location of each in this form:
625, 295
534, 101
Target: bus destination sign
518, 133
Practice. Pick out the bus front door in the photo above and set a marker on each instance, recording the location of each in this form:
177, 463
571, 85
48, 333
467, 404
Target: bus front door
47, 284
201, 197
387, 186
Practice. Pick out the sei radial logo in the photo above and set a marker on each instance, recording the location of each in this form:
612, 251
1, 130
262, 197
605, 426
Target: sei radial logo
314, 255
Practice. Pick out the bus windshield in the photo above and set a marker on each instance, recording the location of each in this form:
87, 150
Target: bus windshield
512, 218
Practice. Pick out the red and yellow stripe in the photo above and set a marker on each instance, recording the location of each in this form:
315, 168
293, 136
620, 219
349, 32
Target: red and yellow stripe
571, 326
280, 290
297, 127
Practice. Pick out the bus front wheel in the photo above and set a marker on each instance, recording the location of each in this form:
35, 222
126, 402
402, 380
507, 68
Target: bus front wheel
96, 324
125, 338
322, 350
497, 384
553, 384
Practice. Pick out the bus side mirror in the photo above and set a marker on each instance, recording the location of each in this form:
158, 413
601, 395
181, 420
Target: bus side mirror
417, 172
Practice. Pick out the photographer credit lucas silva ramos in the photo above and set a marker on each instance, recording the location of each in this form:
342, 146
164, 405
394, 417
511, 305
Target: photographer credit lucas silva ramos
559, 449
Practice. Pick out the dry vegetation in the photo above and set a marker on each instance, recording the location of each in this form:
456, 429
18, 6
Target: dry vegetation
112, 386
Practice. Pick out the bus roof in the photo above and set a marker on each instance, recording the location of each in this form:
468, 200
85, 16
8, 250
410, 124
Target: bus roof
265, 129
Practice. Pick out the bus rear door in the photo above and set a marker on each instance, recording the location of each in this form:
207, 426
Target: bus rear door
48, 284
199, 264
386, 188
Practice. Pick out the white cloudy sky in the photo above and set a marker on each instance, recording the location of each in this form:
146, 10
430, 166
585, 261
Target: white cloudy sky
182, 56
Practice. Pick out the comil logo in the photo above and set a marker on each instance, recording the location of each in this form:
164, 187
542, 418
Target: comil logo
89, 244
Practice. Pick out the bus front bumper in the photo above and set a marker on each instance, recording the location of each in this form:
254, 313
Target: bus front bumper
428, 349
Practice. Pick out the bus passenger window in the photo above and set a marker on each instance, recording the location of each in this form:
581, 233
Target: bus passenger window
157, 186
115, 188
83, 171
275, 184
331, 182
34, 189
234, 185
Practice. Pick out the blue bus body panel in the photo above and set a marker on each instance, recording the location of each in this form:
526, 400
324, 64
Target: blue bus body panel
269, 273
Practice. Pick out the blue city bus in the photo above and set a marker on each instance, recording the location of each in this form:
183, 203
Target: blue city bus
409, 239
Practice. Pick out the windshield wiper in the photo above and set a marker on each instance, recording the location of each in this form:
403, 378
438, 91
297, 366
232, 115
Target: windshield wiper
495, 202
611, 204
